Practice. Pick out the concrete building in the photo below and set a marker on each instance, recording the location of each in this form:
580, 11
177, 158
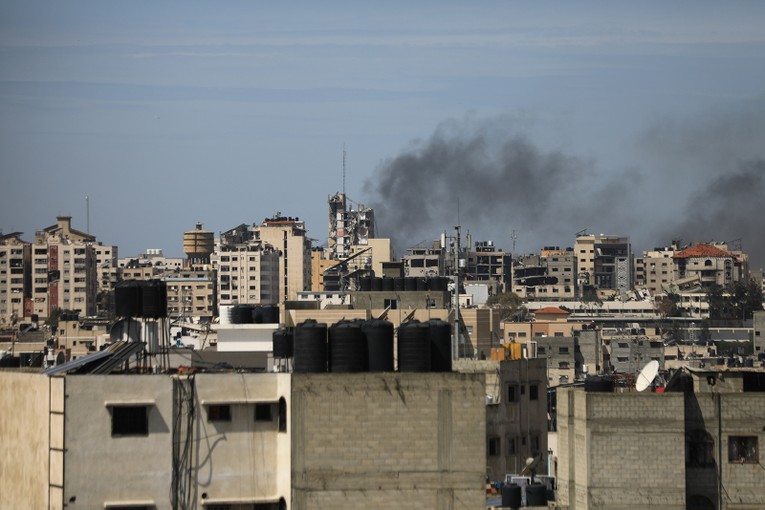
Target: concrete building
67, 258
288, 235
516, 413
551, 275
709, 265
247, 268
758, 335
243, 440
656, 269
695, 446
348, 227
604, 262
15, 279
425, 262
488, 263
548, 321
191, 294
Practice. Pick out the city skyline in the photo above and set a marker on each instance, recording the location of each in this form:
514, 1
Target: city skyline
642, 120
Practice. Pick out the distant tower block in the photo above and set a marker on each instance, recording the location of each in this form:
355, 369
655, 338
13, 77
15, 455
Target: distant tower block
198, 245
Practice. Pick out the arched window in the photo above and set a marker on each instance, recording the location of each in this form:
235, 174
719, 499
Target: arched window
708, 263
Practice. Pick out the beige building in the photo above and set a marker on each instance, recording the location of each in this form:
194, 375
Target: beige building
604, 262
551, 275
191, 294
67, 257
709, 265
248, 268
288, 235
548, 321
15, 285
655, 269
233, 440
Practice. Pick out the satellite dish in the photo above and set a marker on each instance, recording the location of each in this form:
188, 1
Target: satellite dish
647, 375
531, 465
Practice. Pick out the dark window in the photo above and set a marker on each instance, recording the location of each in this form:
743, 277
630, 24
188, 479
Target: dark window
511, 446
219, 413
742, 449
523, 389
562, 350
534, 444
282, 415
392, 303
533, 392
494, 446
130, 420
511, 393
263, 412
540, 350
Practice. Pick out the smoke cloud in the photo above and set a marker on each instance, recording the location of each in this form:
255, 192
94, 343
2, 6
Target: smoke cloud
699, 180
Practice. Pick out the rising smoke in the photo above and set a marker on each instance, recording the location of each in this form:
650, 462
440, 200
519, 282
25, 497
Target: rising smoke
700, 180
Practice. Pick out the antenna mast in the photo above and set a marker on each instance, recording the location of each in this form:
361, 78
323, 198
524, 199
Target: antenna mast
514, 236
343, 169
87, 214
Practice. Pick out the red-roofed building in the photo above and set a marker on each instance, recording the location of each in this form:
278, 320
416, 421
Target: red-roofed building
711, 264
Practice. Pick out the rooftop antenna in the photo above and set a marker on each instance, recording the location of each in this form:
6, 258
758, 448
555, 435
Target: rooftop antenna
87, 214
647, 375
343, 169
514, 236
582, 232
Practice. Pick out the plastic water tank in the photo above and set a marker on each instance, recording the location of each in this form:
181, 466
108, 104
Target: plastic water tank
283, 343
599, 384
378, 335
225, 314
413, 347
347, 348
440, 335
376, 284
127, 297
536, 495
310, 347
511, 496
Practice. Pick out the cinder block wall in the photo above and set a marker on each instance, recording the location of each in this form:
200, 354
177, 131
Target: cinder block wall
388, 440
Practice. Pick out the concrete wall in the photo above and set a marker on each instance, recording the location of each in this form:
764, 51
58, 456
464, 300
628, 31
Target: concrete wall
621, 450
389, 440
24, 457
242, 460
103, 469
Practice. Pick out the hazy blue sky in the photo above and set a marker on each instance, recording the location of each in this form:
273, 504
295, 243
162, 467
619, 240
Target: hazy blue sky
630, 116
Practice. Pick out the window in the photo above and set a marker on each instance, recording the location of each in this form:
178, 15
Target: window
541, 350
563, 365
263, 412
511, 393
534, 444
219, 412
533, 392
494, 446
282, 415
511, 446
742, 449
130, 420
392, 303
562, 350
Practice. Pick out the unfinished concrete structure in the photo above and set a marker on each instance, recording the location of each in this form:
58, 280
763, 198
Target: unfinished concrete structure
269, 441
695, 446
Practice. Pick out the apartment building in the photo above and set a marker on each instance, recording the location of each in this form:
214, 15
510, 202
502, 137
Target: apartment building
288, 236
248, 268
15, 284
655, 269
66, 259
425, 262
604, 262
551, 275
191, 294
488, 262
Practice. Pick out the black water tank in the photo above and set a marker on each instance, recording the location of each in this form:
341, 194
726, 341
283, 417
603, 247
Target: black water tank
257, 315
270, 314
310, 347
387, 284
410, 284
439, 283
127, 297
378, 335
347, 348
398, 284
413, 347
599, 384
365, 284
283, 343
440, 335
153, 299
422, 284
241, 314
376, 284
511, 496
536, 495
